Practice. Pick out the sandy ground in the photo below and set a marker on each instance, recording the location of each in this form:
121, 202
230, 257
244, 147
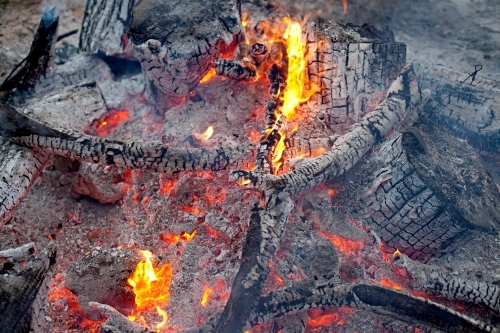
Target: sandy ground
455, 33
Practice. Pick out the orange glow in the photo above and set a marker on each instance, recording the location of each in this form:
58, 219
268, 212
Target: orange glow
396, 253
331, 193
207, 77
206, 293
244, 182
345, 246
205, 135
391, 284
325, 320
111, 122
173, 239
166, 186
253, 135
191, 210
151, 287
278, 152
344, 3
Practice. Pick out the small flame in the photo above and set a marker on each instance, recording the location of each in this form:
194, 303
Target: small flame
205, 135
207, 77
111, 122
391, 284
206, 293
344, 4
396, 253
173, 239
151, 287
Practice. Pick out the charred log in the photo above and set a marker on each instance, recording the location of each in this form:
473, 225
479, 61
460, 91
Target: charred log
402, 99
23, 292
176, 43
234, 69
37, 65
429, 191
116, 322
104, 27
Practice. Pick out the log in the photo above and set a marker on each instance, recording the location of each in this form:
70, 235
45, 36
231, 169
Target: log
20, 166
465, 105
402, 100
17, 255
152, 155
116, 322
177, 43
429, 191
23, 293
37, 65
104, 27
353, 66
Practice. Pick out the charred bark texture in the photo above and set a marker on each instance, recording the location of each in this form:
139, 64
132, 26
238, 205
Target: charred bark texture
402, 99
177, 42
234, 70
19, 166
23, 292
464, 105
116, 322
428, 191
262, 241
353, 66
104, 27
37, 65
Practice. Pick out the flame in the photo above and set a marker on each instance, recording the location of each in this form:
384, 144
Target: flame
205, 135
325, 320
207, 77
244, 182
173, 239
278, 152
391, 284
206, 293
151, 287
344, 4
396, 253
345, 246
115, 118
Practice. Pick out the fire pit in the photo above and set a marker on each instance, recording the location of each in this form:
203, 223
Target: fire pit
223, 166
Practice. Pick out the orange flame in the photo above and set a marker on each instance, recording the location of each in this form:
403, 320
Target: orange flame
345, 246
206, 293
207, 77
391, 284
111, 122
151, 287
173, 239
205, 135
344, 3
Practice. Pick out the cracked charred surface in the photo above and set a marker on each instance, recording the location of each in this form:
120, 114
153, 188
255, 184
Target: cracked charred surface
176, 43
430, 190
20, 166
402, 100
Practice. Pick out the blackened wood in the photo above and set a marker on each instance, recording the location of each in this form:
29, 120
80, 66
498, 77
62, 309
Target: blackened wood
234, 69
19, 291
38, 63
104, 27
177, 42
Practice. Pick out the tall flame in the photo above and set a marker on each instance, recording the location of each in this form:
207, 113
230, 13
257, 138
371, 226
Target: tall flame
151, 287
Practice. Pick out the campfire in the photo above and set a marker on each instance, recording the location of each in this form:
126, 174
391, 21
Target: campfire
224, 166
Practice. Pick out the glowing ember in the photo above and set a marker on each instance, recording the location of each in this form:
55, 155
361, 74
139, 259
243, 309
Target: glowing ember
151, 287
206, 293
345, 246
165, 187
391, 284
207, 77
173, 239
325, 320
205, 135
396, 253
111, 122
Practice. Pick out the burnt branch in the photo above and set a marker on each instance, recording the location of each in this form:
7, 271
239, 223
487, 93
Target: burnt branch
234, 69
402, 99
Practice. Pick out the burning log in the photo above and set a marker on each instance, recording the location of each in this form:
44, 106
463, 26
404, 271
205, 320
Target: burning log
23, 291
116, 322
104, 27
429, 191
439, 281
177, 43
37, 64
19, 166
464, 105
153, 156
402, 99
234, 70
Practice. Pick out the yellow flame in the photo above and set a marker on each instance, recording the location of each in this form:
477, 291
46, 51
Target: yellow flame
207, 77
245, 182
205, 135
151, 287
206, 294
396, 253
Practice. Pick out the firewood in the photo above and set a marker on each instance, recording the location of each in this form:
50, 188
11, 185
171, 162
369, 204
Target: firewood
23, 292
18, 254
429, 190
177, 43
439, 281
402, 99
234, 69
38, 63
116, 322
104, 27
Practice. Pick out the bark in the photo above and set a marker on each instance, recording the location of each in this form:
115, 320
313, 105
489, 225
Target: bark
234, 69
353, 66
104, 27
442, 282
20, 166
37, 66
177, 43
428, 191
402, 99
262, 241
23, 293
464, 105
